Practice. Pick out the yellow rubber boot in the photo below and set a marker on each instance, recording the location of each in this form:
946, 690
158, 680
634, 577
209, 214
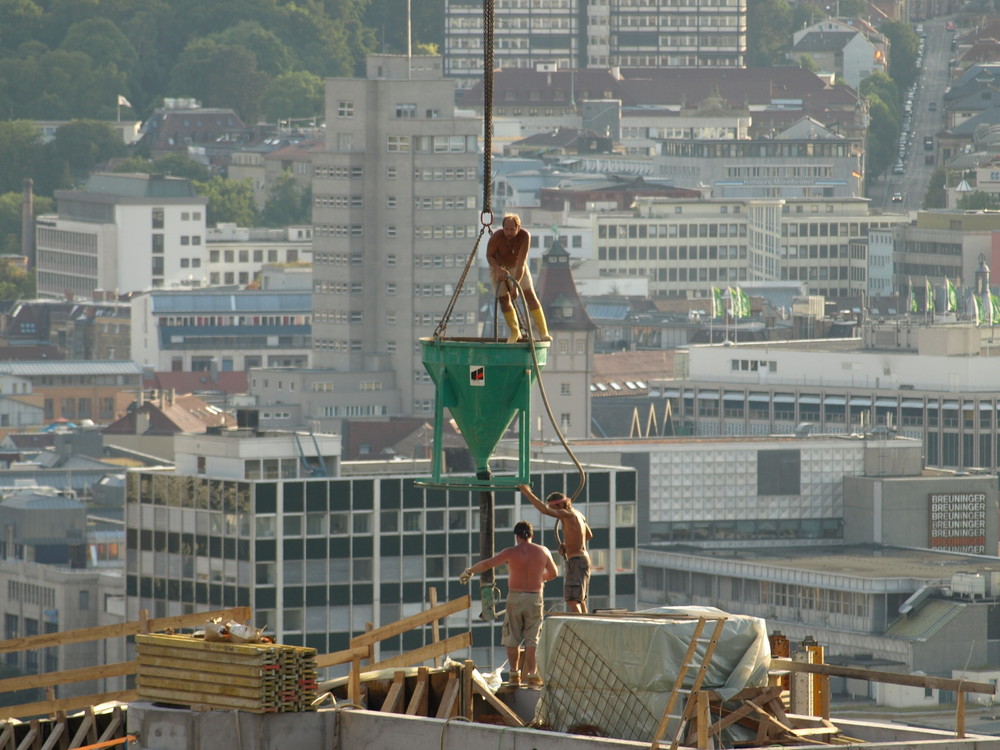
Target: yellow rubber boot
543, 330
515, 328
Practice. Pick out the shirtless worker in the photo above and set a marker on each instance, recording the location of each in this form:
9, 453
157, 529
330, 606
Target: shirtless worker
529, 566
576, 534
507, 253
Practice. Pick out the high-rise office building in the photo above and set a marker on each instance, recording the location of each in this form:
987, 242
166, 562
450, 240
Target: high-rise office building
596, 34
396, 215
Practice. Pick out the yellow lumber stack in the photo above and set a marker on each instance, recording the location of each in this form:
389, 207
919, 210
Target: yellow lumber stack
254, 677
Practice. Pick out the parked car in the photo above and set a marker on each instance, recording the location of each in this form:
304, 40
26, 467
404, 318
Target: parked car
897, 197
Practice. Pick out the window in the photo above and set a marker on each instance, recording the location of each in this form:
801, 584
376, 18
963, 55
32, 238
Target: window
564, 389
398, 144
406, 111
345, 109
157, 243
778, 472
157, 218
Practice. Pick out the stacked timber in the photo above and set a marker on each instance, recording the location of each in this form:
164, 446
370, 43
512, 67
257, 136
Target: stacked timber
255, 677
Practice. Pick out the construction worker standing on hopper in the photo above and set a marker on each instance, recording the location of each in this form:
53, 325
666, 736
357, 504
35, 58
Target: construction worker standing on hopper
507, 253
576, 534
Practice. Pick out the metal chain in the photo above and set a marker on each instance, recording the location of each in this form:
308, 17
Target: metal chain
486, 217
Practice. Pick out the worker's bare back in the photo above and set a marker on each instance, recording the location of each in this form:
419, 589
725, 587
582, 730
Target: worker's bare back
530, 565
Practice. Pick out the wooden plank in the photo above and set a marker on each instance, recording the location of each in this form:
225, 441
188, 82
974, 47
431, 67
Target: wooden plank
432, 599
86, 731
256, 690
193, 699
111, 729
960, 716
54, 735
29, 738
341, 657
45, 640
702, 720
52, 679
893, 678
394, 699
510, 718
449, 698
468, 667
413, 621
195, 677
147, 653
748, 707
420, 698
354, 682
424, 653
212, 671
185, 643
813, 731
7, 736
68, 704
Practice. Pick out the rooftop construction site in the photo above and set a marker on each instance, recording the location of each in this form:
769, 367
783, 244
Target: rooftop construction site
671, 677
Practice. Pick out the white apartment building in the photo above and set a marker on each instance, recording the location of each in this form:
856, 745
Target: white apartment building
236, 255
687, 247
221, 329
122, 232
595, 34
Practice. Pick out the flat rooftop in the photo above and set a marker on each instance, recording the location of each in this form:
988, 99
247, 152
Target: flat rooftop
862, 561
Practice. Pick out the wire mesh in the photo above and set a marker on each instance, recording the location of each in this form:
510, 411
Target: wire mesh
583, 692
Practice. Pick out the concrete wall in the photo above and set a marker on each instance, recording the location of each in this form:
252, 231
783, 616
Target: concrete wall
179, 729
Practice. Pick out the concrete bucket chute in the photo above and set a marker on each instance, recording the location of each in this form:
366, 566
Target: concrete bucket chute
485, 384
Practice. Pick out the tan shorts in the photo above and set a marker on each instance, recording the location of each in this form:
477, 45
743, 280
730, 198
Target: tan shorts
523, 620
526, 283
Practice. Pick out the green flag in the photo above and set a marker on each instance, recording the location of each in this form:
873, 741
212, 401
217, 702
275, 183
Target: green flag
977, 310
733, 303
718, 310
929, 300
952, 305
744, 303
913, 298
994, 309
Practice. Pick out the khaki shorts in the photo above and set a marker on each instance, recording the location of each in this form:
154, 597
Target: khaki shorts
497, 274
523, 620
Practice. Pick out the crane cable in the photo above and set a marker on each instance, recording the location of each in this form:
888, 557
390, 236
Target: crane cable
486, 215
486, 220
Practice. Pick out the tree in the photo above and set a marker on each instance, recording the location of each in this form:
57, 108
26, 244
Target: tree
220, 76
287, 203
175, 165
903, 49
886, 89
978, 200
769, 33
272, 55
85, 144
20, 22
293, 95
936, 197
102, 42
852, 8
10, 219
882, 135
16, 281
228, 201
21, 154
